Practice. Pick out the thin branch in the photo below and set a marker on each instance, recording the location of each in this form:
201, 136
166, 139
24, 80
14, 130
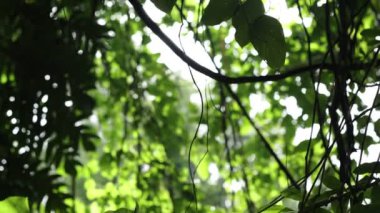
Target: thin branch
216, 76
341, 196
262, 137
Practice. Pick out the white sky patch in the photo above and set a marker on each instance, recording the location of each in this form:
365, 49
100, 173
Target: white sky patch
279, 10
137, 38
202, 130
303, 134
258, 104
290, 103
192, 49
234, 185
231, 36
173, 62
374, 151
214, 173
322, 89
367, 99
154, 12
320, 3
195, 98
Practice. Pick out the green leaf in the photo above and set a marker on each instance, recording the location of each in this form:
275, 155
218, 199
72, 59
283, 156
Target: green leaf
321, 210
340, 206
275, 208
218, 11
324, 195
14, 204
267, 37
122, 210
302, 147
242, 28
331, 182
246, 14
370, 34
88, 142
362, 121
377, 127
292, 193
366, 208
375, 194
70, 167
287, 210
164, 5
368, 168
376, 4
253, 9
364, 181
368, 140
106, 160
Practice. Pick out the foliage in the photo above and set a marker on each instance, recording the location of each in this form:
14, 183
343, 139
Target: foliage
92, 121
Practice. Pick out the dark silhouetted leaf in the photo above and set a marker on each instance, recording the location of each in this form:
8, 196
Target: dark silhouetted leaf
267, 37
292, 193
368, 168
331, 182
218, 11
164, 5
375, 194
246, 14
365, 208
88, 141
370, 34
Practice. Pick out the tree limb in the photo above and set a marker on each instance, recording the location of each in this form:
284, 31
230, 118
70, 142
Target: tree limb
216, 76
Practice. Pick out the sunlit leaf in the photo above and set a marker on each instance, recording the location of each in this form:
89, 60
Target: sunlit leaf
14, 204
121, 210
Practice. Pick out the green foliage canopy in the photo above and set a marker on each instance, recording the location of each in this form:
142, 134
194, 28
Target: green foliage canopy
92, 121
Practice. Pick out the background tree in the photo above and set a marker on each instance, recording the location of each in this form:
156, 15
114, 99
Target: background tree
92, 122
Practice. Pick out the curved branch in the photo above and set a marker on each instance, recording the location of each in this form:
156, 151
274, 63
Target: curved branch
216, 76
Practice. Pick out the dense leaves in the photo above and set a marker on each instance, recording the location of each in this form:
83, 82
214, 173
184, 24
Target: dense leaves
46, 74
96, 116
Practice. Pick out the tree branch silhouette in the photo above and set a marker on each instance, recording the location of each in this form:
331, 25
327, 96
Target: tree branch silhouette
204, 70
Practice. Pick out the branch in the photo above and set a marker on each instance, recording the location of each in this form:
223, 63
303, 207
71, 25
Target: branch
336, 197
263, 139
216, 76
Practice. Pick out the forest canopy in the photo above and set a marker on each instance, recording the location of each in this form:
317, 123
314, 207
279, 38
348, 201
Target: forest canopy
189, 106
